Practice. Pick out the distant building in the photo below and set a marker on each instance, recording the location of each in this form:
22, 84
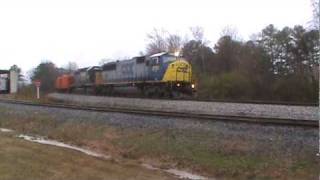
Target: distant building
9, 81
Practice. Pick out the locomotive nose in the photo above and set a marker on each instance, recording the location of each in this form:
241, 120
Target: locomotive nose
178, 71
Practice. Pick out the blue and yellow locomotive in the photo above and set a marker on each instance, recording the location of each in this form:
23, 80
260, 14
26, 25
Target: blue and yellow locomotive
162, 74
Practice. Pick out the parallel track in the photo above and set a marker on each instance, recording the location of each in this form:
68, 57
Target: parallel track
246, 119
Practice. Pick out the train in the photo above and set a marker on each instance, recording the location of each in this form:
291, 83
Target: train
161, 75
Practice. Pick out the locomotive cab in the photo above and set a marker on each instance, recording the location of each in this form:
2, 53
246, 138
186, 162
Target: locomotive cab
173, 71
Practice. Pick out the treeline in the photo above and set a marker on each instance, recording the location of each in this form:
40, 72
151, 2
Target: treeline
47, 72
278, 65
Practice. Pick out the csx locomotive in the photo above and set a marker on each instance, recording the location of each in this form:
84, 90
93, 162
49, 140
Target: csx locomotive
162, 74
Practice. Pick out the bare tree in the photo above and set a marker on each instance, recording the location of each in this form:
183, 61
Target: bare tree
157, 41
174, 43
316, 14
197, 33
199, 40
71, 67
232, 32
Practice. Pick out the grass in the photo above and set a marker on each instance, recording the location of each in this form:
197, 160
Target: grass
28, 93
25, 160
197, 151
189, 152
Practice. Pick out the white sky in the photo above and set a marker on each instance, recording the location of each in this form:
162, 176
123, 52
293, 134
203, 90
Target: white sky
86, 31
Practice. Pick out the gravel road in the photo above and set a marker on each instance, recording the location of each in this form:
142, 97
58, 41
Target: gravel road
214, 108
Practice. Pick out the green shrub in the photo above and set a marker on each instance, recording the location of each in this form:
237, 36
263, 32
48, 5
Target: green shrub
232, 85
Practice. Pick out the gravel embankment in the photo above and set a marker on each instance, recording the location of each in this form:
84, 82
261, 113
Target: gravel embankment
213, 108
265, 138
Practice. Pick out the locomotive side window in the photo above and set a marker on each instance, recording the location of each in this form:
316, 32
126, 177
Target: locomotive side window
155, 61
109, 67
140, 59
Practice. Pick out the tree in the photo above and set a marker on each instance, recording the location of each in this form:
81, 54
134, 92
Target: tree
47, 73
231, 32
163, 41
174, 43
197, 33
157, 41
284, 61
227, 53
307, 53
316, 14
71, 67
15, 68
198, 55
268, 43
312, 52
196, 50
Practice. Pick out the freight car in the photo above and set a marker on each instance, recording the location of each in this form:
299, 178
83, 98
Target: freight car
161, 74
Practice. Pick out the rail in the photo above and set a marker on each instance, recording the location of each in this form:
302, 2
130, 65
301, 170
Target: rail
231, 118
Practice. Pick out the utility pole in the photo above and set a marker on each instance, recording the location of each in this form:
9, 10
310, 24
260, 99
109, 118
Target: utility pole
318, 154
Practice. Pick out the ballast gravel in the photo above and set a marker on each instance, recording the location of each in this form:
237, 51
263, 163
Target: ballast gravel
200, 107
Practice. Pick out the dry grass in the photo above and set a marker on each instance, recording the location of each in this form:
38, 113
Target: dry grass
196, 151
25, 160
28, 93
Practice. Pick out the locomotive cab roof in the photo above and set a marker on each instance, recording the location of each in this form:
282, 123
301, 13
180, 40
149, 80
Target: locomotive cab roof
159, 54
94, 68
162, 54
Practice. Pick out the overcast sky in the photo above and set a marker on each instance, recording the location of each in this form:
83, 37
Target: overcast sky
86, 31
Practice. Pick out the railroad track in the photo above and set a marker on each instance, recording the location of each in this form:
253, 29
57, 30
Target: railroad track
234, 118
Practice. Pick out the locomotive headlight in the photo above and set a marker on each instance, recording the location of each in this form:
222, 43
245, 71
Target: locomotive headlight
193, 86
176, 54
178, 84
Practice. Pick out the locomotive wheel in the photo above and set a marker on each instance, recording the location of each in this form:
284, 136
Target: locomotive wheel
176, 94
109, 91
167, 93
164, 92
149, 92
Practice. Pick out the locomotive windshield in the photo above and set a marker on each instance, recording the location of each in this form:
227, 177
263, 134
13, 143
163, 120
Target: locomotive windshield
167, 59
